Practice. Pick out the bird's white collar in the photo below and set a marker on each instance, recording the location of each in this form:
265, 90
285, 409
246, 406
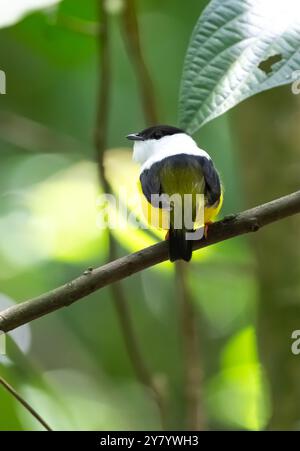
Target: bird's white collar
151, 151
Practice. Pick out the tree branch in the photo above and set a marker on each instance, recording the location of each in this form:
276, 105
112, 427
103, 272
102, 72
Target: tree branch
91, 281
192, 367
24, 403
134, 48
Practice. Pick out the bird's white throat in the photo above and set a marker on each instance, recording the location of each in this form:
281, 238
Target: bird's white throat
153, 150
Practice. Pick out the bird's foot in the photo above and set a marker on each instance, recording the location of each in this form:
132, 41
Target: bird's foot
206, 226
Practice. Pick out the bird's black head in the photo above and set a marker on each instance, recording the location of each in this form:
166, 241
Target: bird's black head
156, 132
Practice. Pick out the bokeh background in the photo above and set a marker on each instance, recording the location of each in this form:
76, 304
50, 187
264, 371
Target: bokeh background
73, 366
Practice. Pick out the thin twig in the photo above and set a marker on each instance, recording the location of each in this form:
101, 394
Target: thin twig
132, 39
104, 90
90, 281
24, 403
130, 339
193, 373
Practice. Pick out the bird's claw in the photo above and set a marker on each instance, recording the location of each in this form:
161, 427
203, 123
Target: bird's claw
206, 226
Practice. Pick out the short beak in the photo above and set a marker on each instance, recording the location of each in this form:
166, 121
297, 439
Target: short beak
135, 137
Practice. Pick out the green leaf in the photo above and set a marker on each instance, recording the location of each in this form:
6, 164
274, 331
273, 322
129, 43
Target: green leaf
14, 10
241, 384
237, 49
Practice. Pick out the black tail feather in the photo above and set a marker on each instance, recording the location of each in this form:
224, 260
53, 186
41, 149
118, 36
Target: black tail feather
179, 247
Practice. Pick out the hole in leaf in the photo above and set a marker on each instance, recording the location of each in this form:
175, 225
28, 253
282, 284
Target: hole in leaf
266, 65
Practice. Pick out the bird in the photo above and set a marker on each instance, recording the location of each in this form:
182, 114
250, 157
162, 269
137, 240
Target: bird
172, 164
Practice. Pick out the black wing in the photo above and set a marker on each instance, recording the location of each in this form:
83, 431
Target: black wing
212, 181
150, 182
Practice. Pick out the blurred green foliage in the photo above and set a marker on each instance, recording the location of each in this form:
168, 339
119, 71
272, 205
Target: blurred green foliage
76, 372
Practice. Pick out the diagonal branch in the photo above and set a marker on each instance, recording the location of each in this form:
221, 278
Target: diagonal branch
24, 403
91, 281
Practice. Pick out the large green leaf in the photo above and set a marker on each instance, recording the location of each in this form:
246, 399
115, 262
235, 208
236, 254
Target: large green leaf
238, 48
14, 10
